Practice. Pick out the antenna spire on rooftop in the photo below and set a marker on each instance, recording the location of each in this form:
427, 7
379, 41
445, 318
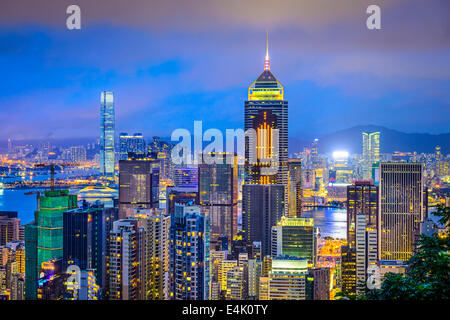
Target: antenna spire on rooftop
267, 60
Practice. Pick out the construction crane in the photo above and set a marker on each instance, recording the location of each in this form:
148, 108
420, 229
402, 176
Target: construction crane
52, 170
52, 177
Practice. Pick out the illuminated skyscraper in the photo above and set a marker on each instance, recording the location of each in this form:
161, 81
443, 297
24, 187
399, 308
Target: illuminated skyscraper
107, 131
264, 195
265, 111
218, 193
124, 264
134, 144
294, 237
155, 257
189, 254
401, 210
44, 236
138, 184
86, 239
362, 213
348, 269
362, 199
370, 152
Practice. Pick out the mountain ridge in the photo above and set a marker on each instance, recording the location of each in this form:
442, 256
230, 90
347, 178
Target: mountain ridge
391, 140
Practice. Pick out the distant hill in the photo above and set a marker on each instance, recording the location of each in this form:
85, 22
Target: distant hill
390, 141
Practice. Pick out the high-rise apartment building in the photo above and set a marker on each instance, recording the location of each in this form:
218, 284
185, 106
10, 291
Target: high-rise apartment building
155, 265
124, 260
189, 254
9, 227
235, 283
107, 132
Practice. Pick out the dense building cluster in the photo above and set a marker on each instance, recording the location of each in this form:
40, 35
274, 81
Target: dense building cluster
214, 231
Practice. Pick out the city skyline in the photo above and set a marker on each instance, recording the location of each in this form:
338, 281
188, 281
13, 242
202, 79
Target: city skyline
207, 211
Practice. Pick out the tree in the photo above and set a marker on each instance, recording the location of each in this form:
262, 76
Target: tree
427, 276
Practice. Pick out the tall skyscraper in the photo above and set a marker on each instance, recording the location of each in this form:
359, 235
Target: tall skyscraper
138, 184
295, 188
189, 254
401, 209
262, 208
370, 152
86, 240
124, 265
362, 214
107, 131
155, 265
295, 237
266, 110
264, 195
44, 236
348, 269
218, 195
134, 144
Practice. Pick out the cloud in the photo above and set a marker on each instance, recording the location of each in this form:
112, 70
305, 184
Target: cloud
171, 62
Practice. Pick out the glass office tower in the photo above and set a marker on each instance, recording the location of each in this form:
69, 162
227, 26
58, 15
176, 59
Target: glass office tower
370, 152
107, 127
294, 237
402, 209
218, 195
264, 194
44, 236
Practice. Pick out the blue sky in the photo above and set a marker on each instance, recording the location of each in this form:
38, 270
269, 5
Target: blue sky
172, 62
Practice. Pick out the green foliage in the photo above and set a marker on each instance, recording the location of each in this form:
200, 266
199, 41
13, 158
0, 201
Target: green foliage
427, 277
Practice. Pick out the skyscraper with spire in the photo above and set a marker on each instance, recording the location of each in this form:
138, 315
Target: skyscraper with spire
264, 192
266, 110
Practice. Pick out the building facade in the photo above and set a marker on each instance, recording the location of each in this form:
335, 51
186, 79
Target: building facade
107, 134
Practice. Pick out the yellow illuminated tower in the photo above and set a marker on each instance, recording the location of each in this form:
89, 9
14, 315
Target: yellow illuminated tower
264, 196
266, 110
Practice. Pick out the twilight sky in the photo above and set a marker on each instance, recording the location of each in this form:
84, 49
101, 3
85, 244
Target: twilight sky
170, 62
